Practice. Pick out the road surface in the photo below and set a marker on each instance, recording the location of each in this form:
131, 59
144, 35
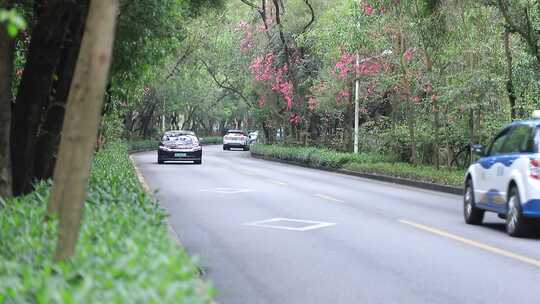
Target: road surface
267, 232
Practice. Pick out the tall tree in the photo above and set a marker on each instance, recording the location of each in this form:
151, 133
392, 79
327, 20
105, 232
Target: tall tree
82, 118
6, 70
44, 54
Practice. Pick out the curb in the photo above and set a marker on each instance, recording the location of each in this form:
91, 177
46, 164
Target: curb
374, 176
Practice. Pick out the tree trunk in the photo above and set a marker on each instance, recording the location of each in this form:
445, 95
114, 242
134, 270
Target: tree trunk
6, 72
509, 75
81, 123
49, 132
43, 57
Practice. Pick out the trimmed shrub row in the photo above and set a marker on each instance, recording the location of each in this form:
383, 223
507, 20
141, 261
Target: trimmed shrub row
367, 163
124, 253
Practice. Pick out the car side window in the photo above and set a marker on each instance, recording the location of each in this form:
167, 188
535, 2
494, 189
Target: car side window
497, 144
520, 140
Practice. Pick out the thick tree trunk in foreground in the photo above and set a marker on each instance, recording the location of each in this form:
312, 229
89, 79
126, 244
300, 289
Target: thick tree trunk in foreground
6, 71
81, 124
43, 57
49, 132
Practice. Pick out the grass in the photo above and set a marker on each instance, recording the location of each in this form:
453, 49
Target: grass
368, 163
124, 253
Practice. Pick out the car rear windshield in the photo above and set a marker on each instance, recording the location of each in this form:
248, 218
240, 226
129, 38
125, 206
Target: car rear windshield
236, 132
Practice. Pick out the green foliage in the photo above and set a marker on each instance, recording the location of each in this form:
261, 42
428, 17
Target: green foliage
142, 144
445, 176
15, 22
368, 163
124, 253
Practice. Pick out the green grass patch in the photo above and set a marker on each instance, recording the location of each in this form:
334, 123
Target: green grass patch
124, 253
363, 162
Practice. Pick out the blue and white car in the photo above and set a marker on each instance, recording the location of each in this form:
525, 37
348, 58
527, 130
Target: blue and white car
506, 179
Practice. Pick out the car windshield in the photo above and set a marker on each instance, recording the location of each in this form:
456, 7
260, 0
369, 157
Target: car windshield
178, 137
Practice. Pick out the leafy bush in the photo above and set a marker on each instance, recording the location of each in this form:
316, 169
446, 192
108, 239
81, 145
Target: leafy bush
142, 144
363, 162
124, 253
445, 176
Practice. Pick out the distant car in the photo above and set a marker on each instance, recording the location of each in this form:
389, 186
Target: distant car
179, 146
236, 139
253, 137
506, 179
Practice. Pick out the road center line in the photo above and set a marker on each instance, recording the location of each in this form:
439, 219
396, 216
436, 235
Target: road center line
329, 198
472, 243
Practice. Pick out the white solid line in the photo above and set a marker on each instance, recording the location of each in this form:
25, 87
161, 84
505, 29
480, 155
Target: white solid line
278, 183
472, 243
329, 198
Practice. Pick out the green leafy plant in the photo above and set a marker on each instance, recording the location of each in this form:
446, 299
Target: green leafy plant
124, 253
15, 22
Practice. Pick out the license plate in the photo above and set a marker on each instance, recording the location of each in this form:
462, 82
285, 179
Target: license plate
180, 154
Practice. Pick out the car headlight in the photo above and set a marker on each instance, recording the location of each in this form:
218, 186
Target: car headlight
164, 148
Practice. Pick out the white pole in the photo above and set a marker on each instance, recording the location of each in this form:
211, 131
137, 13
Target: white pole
356, 107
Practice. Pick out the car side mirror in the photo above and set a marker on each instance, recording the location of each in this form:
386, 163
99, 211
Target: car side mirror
479, 150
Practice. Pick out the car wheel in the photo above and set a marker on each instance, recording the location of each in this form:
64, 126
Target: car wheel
246, 148
159, 161
471, 213
516, 224
198, 162
225, 148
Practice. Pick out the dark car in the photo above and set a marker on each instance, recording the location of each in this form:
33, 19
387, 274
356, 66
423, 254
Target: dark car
179, 146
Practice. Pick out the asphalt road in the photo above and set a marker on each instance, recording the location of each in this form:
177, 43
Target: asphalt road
358, 241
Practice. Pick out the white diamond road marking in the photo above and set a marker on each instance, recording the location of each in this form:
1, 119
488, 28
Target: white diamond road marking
310, 225
229, 190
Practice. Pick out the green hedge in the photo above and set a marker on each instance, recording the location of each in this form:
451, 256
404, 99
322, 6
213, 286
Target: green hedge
368, 163
124, 253
142, 144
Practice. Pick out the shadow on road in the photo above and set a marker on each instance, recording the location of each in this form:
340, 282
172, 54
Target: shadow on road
500, 227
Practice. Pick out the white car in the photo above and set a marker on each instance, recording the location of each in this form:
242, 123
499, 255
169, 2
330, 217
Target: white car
506, 179
236, 139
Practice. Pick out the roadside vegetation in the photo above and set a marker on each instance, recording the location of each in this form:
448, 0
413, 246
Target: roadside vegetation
364, 162
125, 253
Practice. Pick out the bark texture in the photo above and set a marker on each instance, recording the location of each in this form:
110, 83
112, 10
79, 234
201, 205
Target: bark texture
44, 53
81, 124
48, 137
6, 72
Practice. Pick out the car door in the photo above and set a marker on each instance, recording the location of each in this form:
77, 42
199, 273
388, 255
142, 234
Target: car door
486, 192
519, 143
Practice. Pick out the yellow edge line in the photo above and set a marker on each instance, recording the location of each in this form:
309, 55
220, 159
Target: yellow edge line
472, 243
329, 198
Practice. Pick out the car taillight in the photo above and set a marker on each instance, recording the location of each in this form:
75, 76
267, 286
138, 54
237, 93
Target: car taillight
534, 168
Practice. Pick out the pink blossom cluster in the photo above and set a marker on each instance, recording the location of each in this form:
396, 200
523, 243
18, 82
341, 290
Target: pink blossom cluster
313, 103
346, 66
368, 9
246, 44
262, 101
408, 55
343, 95
363, 110
263, 69
295, 119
